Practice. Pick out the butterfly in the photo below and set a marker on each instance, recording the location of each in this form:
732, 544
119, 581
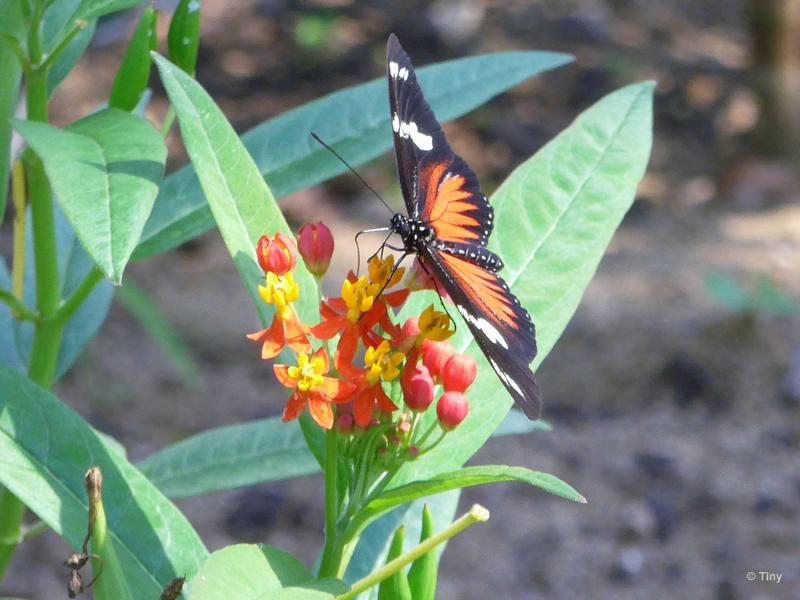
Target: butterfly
448, 225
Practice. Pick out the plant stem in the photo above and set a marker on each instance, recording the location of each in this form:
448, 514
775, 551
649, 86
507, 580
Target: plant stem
18, 197
50, 59
71, 304
169, 119
332, 552
12, 511
477, 514
18, 308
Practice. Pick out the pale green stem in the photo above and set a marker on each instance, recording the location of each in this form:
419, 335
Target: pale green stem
477, 514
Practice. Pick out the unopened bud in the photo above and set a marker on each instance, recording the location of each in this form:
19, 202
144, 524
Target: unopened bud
459, 372
451, 410
315, 243
277, 254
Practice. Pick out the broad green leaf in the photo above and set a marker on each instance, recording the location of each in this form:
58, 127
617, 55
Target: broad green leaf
10, 72
243, 206
45, 450
354, 120
230, 457
468, 477
257, 572
554, 217
74, 264
69, 57
105, 170
145, 310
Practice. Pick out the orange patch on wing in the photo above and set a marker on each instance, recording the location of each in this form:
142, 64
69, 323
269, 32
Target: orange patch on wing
445, 208
484, 289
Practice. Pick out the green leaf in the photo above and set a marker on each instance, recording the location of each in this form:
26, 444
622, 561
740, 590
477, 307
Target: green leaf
92, 9
58, 20
396, 586
10, 73
46, 449
258, 572
354, 120
74, 264
105, 170
243, 206
183, 38
134, 71
422, 574
554, 217
144, 309
468, 477
230, 457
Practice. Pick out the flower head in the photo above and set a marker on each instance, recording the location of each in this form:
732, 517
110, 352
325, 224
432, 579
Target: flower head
315, 242
382, 363
312, 387
277, 254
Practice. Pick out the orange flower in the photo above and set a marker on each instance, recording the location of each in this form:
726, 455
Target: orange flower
381, 365
355, 314
312, 387
286, 328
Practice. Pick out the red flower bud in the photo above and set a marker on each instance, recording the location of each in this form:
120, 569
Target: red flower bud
344, 424
459, 372
418, 390
316, 247
277, 254
451, 409
435, 355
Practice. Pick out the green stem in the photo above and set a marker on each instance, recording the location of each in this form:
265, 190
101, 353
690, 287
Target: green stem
12, 511
71, 304
50, 59
169, 119
477, 514
331, 553
18, 307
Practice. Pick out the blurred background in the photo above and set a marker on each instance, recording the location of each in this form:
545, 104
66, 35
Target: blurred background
675, 391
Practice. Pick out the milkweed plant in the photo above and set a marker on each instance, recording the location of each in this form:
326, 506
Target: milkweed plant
383, 392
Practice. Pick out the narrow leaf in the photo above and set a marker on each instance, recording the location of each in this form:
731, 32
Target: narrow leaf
105, 170
230, 457
183, 39
134, 71
354, 120
422, 574
554, 217
396, 586
243, 206
59, 19
45, 450
10, 71
468, 477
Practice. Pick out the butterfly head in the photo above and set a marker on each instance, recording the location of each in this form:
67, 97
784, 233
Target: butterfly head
415, 233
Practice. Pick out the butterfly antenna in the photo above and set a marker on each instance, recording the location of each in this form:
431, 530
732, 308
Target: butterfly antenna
346, 164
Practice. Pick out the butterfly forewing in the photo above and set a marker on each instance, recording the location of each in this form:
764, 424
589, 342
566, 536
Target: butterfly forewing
442, 192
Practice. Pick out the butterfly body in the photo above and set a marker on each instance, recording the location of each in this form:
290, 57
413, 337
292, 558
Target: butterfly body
448, 225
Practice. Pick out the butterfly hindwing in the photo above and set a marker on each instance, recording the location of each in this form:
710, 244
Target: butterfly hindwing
501, 327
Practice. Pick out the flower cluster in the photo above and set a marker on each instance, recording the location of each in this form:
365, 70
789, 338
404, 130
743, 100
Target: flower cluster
381, 376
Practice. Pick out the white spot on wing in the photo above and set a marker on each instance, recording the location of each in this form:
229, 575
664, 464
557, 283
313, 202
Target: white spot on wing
393, 69
409, 130
505, 377
485, 326
403, 73
395, 123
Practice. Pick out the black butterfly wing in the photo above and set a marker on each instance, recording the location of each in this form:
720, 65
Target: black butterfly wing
500, 325
438, 186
